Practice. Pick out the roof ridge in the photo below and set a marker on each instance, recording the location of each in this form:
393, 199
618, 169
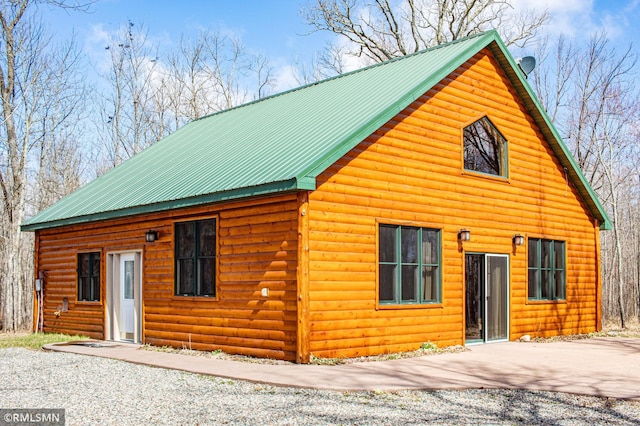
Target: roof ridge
352, 72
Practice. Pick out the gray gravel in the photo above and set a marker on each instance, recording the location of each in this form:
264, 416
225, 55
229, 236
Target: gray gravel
96, 390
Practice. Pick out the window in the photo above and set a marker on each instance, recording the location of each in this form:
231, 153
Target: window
409, 265
547, 278
485, 149
89, 277
195, 263
128, 279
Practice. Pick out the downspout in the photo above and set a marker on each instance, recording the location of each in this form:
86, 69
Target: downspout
598, 283
37, 295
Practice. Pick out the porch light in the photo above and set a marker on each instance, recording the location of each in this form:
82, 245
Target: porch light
151, 236
518, 240
464, 235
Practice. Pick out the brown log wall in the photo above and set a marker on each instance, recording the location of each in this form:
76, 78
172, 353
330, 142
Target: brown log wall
257, 243
411, 170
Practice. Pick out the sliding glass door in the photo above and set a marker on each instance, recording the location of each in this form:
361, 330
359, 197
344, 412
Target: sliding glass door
486, 297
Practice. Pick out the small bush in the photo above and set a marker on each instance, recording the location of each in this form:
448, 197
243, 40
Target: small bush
428, 346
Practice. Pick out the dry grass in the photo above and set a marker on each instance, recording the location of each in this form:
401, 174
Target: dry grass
609, 329
612, 329
427, 348
33, 340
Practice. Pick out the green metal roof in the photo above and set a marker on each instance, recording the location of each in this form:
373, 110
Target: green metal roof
283, 142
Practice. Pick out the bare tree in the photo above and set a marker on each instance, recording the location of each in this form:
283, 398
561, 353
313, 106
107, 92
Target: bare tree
58, 148
552, 80
616, 160
380, 30
260, 66
190, 89
125, 113
237, 74
147, 97
330, 61
589, 92
212, 73
28, 115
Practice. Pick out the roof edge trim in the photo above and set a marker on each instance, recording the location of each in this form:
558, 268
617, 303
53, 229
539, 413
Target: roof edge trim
216, 197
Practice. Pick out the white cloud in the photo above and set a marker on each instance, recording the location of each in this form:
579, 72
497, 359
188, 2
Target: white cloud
94, 46
285, 78
581, 18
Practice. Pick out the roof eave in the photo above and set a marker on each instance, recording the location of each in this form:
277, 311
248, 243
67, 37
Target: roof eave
263, 190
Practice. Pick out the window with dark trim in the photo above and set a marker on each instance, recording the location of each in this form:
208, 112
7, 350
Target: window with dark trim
547, 270
408, 265
485, 149
195, 258
89, 277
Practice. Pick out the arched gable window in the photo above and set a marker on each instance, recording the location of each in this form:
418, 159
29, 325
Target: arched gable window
485, 149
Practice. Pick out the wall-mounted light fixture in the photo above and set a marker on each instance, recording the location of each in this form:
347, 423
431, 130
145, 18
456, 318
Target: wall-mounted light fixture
151, 236
464, 235
518, 240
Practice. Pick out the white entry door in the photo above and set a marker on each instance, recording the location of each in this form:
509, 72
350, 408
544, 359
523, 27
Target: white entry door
124, 297
127, 313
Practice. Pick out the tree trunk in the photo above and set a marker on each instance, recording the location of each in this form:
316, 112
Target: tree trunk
620, 280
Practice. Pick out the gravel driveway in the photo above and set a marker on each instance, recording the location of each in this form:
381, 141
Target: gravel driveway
96, 390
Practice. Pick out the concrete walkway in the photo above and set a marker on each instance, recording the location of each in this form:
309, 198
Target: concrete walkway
600, 367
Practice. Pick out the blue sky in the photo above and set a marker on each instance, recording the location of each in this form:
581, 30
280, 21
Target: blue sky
276, 28
580, 18
273, 27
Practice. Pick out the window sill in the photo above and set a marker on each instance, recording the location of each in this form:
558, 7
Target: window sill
89, 302
470, 173
196, 298
395, 306
546, 302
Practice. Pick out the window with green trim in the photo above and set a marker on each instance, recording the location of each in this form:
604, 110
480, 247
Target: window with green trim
547, 270
409, 265
195, 258
89, 277
485, 149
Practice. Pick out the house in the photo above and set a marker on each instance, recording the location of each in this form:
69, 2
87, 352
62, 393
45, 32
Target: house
428, 198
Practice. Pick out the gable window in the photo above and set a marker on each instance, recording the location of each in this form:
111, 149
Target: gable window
195, 258
89, 277
485, 149
409, 265
547, 277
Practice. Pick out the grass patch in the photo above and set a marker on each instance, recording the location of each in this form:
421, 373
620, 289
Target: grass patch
214, 354
33, 340
612, 329
427, 348
609, 329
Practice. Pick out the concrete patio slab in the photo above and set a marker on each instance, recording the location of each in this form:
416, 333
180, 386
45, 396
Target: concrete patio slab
608, 367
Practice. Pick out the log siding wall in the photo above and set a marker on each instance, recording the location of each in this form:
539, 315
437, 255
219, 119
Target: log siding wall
411, 171
257, 248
